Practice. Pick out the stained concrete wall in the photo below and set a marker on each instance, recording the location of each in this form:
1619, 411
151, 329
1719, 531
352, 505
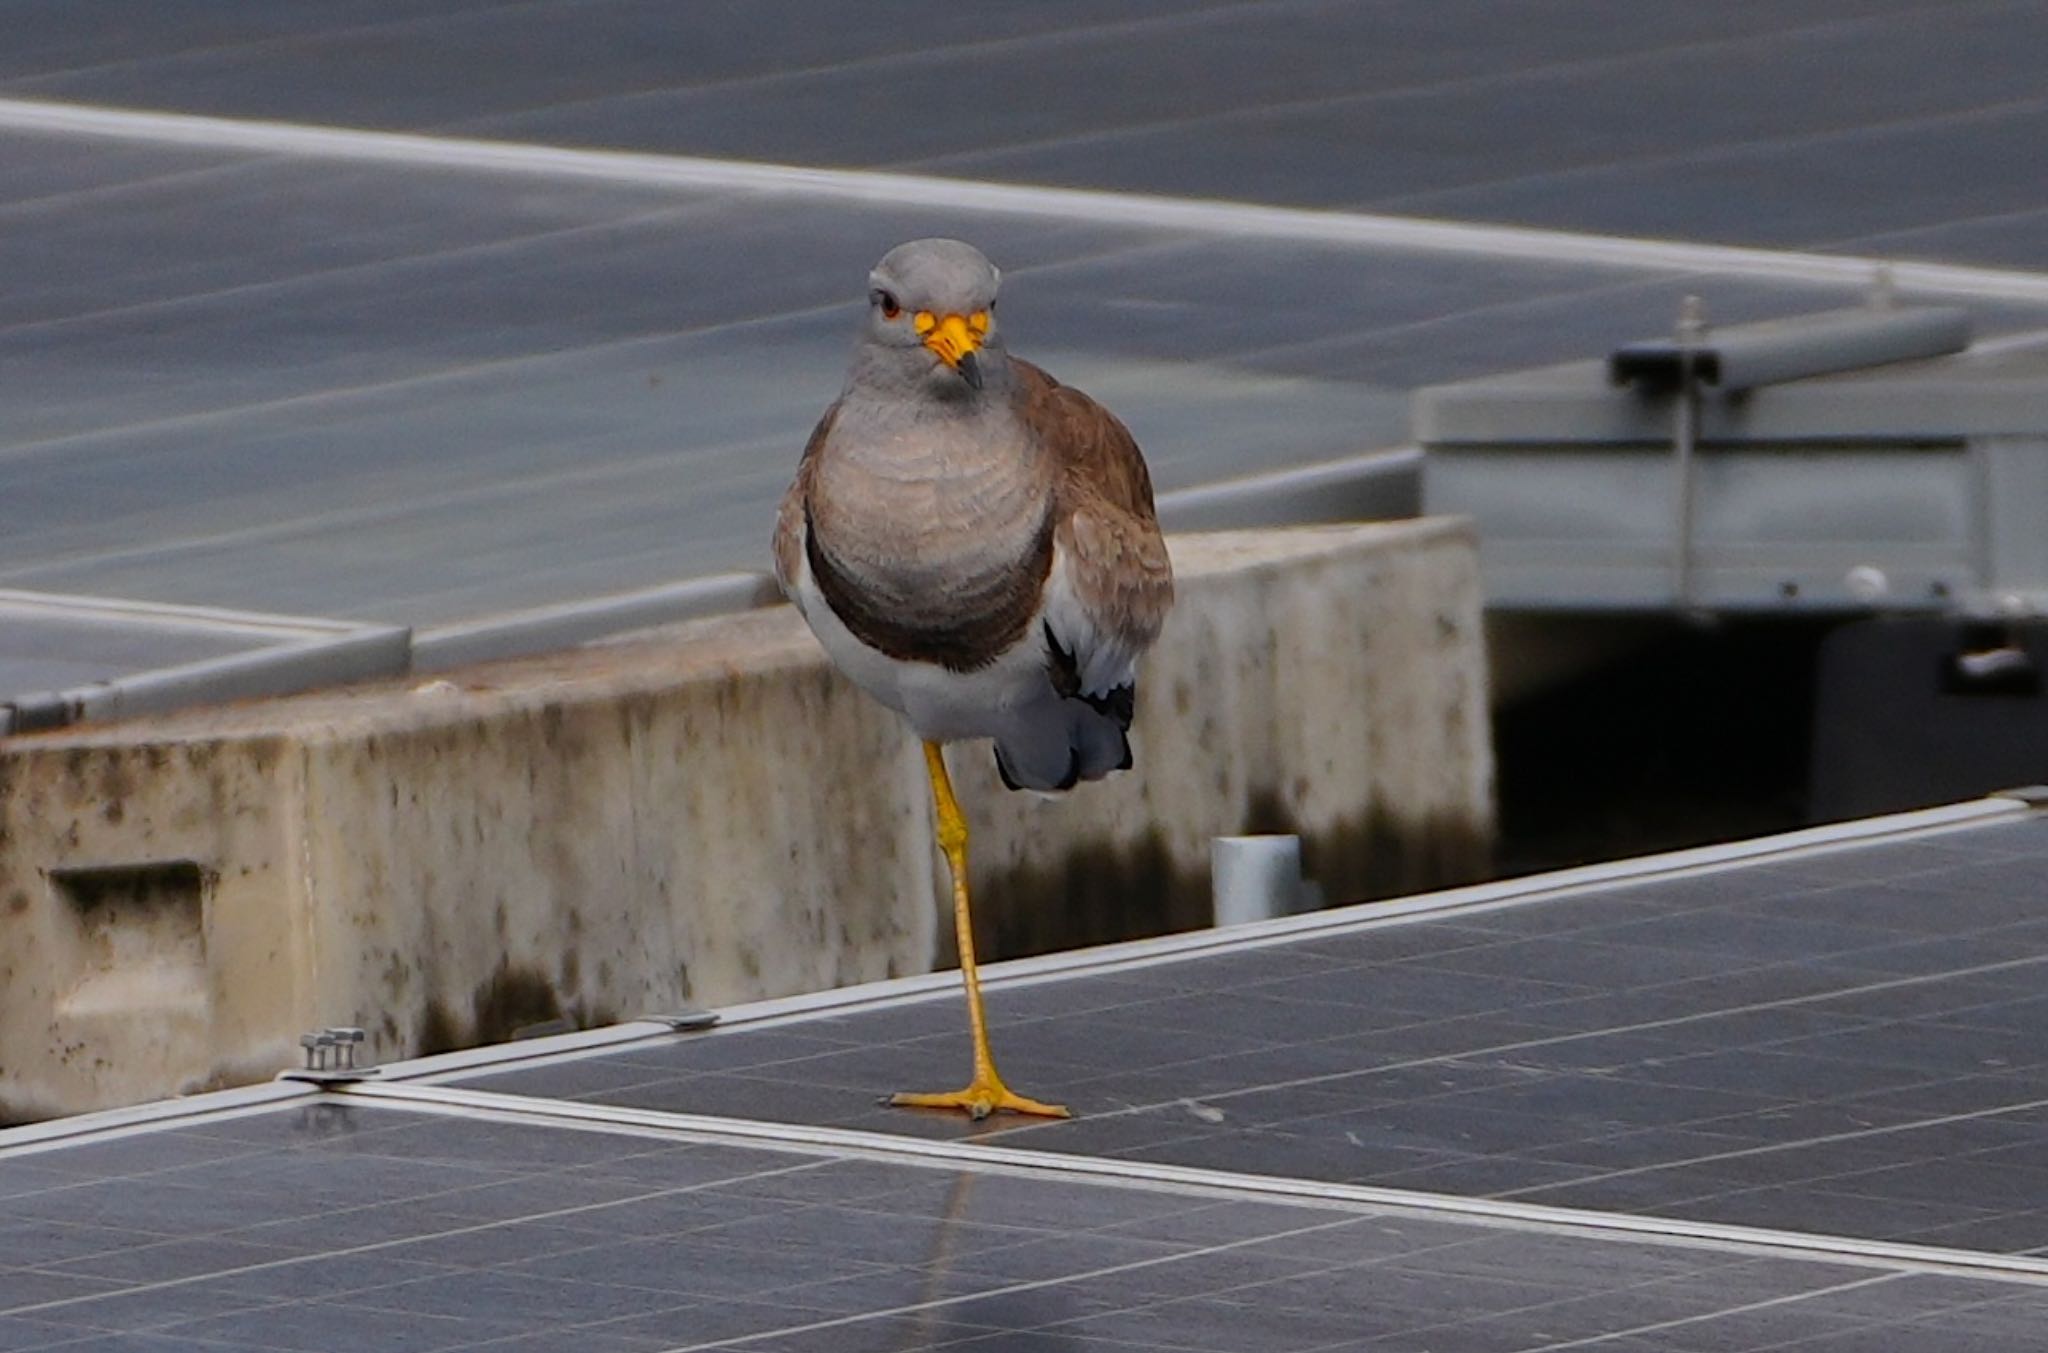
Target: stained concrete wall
699, 815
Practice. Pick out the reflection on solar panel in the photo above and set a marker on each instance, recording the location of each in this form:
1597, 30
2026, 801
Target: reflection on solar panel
1785, 1095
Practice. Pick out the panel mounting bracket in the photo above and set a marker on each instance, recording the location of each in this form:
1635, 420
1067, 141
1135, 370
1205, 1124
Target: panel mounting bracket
330, 1058
687, 1019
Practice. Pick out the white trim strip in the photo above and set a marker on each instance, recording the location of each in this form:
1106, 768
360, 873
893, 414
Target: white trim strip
109, 1124
973, 1154
547, 1051
1140, 954
1136, 211
160, 615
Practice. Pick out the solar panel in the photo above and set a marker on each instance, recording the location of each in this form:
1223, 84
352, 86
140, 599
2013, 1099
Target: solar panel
1789, 1100
1698, 122
281, 378
416, 398
1783, 1096
362, 1226
1778, 1045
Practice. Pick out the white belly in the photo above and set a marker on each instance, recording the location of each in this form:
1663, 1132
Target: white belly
941, 705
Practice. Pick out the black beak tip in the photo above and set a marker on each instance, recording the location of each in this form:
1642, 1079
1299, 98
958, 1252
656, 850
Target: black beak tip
969, 367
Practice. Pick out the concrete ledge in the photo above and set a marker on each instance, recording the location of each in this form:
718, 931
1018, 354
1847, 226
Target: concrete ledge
703, 815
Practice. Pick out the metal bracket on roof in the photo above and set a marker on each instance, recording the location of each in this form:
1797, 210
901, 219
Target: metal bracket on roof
330, 1058
688, 1019
1776, 352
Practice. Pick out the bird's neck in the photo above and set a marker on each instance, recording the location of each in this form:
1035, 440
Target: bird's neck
911, 377
901, 404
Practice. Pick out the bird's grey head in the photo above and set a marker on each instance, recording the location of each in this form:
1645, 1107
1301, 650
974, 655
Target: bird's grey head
931, 320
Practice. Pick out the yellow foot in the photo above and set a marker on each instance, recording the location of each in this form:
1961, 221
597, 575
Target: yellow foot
981, 1099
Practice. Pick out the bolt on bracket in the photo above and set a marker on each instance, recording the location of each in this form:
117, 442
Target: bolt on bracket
330, 1058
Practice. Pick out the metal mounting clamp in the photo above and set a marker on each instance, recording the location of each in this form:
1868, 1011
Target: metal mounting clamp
686, 1020
330, 1058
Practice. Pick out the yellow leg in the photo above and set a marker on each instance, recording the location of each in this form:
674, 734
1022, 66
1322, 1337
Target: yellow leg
986, 1093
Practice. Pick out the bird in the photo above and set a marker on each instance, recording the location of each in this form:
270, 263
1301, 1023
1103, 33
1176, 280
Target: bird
975, 545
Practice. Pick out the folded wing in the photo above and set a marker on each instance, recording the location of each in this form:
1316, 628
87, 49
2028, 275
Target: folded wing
1111, 583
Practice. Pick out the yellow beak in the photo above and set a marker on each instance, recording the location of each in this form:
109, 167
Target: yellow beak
953, 338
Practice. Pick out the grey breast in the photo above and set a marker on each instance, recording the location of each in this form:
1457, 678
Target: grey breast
931, 541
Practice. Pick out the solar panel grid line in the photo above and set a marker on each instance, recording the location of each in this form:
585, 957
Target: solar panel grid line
1354, 1068
1576, 69
289, 527
1136, 956
920, 58
1750, 1153
1530, 308
1430, 1315
580, 620
32, 446
1733, 150
1013, 1289
841, 1142
1581, 68
1421, 1309
594, 391
1747, 1308
415, 26
1524, 1046
328, 398
1849, 1045
328, 1254
1070, 204
673, 212
390, 26
1418, 1100
1728, 1308
1221, 14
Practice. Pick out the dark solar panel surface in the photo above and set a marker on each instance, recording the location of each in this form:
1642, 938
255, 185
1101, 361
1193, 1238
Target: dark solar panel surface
378, 393
1820, 123
1853, 1043
417, 395
1841, 1044
332, 1226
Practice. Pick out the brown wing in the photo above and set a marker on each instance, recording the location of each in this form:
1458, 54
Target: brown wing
789, 520
1107, 527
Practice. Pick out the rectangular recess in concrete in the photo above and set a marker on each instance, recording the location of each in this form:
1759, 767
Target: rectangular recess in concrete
140, 931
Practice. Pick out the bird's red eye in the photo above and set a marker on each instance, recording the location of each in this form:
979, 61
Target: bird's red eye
887, 301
